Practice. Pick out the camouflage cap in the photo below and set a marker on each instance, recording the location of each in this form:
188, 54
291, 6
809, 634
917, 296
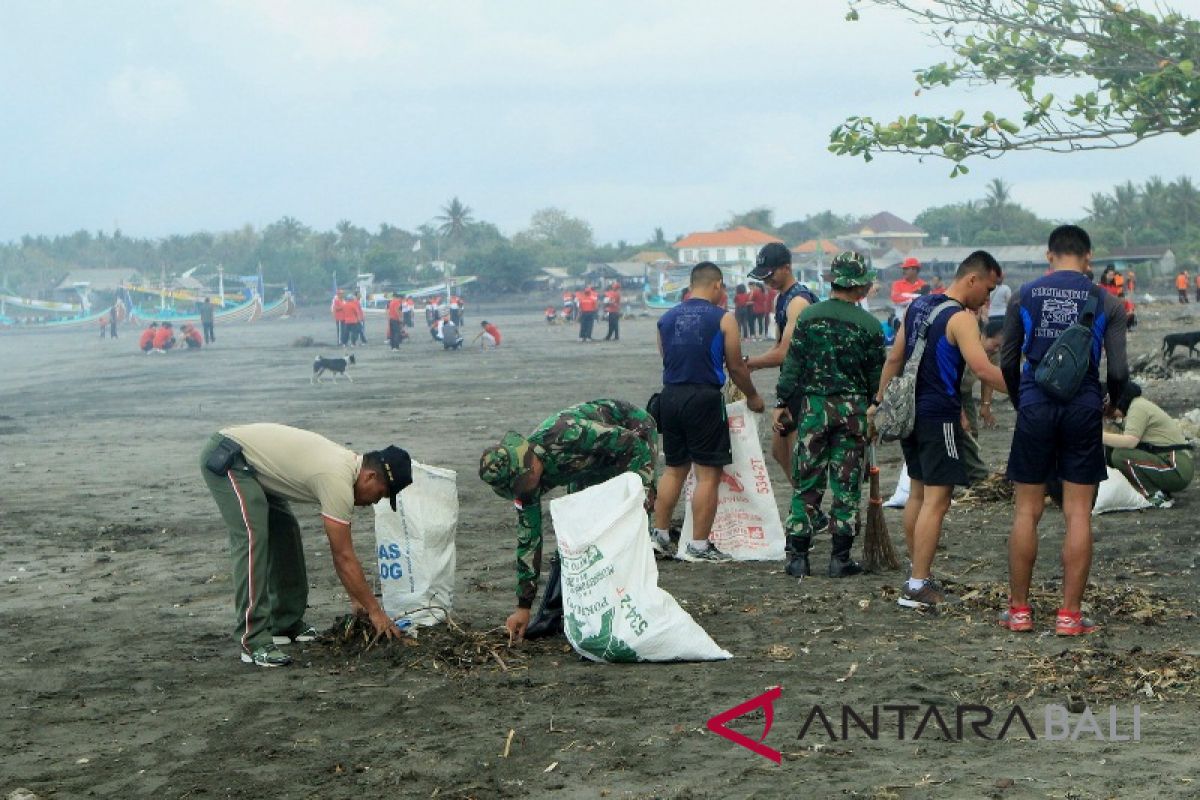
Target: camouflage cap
504, 462
849, 269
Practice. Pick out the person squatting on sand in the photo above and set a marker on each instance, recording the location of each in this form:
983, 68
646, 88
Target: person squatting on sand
253, 471
774, 268
698, 341
833, 364
933, 451
1150, 450
1056, 439
580, 446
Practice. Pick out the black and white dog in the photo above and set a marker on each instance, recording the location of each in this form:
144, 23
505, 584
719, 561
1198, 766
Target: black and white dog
1172, 340
334, 366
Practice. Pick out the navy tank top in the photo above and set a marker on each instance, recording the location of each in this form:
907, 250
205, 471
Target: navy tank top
940, 372
693, 343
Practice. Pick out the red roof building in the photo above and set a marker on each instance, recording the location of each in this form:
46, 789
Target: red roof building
723, 248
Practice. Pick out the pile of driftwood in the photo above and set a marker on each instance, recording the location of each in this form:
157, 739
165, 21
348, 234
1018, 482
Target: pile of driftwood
446, 648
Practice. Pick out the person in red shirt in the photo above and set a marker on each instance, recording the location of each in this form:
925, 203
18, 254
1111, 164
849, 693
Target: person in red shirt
353, 315
191, 336
588, 303
338, 309
1181, 284
568, 305
393, 316
742, 310
164, 338
551, 315
146, 340
612, 310
490, 336
908, 288
760, 309
1198, 288
1130, 281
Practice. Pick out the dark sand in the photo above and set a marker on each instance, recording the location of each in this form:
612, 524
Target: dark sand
120, 675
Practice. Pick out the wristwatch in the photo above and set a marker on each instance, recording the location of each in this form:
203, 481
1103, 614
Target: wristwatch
781, 403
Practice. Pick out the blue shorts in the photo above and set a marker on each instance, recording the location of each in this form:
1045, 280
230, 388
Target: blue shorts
1057, 441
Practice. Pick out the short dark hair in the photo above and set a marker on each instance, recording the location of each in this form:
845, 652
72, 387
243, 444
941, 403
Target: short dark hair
1069, 240
994, 327
981, 262
706, 273
483, 323
741, 287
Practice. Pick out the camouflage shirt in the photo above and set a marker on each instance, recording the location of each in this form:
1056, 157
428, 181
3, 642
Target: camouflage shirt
580, 446
836, 349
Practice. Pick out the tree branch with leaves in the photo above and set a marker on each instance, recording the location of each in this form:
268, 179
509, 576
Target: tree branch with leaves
1142, 67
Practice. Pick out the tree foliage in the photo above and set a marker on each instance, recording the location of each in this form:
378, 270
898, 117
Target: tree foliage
1141, 68
1155, 213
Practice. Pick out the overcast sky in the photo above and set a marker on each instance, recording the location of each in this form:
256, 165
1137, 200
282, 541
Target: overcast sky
168, 118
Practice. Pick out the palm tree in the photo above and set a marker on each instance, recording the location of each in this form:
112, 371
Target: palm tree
999, 194
455, 219
1185, 199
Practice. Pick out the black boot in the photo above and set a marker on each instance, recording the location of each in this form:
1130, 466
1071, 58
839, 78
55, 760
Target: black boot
797, 552
840, 563
549, 619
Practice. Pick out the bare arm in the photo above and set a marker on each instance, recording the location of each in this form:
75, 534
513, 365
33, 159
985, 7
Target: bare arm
349, 570
963, 332
739, 373
1121, 440
893, 364
774, 357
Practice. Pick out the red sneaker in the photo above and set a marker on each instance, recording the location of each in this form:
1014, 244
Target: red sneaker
1017, 618
1072, 623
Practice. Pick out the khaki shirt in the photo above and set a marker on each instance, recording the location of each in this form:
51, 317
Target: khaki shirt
1151, 425
300, 465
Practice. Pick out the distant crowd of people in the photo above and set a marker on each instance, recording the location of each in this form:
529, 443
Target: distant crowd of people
160, 337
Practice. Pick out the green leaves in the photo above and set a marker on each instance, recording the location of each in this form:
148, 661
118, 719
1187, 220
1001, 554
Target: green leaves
1142, 66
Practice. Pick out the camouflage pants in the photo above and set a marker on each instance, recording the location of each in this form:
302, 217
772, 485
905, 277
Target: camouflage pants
831, 435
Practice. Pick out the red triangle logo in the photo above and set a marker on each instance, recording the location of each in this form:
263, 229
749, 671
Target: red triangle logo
766, 701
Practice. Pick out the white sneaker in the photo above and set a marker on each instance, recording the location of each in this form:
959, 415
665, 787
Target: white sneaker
661, 543
308, 634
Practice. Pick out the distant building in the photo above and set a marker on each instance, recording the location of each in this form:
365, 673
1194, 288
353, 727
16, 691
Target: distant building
886, 231
628, 273
1017, 260
738, 246
1151, 260
653, 257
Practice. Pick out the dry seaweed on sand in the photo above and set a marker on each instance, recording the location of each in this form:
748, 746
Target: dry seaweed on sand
1115, 602
995, 488
447, 647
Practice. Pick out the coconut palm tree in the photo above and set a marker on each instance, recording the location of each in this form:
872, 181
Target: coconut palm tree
455, 219
999, 194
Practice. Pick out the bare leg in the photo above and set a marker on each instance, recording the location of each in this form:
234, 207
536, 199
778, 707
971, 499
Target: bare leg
1077, 545
1022, 542
704, 501
670, 485
928, 528
912, 509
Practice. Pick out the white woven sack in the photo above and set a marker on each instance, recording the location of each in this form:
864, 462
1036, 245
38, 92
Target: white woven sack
613, 610
415, 546
747, 525
1116, 494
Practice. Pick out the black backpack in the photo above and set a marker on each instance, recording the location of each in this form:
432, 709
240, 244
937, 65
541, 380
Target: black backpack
1061, 370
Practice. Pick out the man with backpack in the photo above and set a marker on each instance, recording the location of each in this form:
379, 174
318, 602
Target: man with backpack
1060, 323
940, 335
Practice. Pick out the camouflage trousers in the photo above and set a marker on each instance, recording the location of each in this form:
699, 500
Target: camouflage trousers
831, 436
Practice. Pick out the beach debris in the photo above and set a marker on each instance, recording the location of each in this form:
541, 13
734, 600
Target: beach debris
508, 742
445, 647
21, 793
995, 488
780, 652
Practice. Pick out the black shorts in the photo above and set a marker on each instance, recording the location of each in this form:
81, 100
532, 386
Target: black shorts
933, 453
694, 426
1057, 441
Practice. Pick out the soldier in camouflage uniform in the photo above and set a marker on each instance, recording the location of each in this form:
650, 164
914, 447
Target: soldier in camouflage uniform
833, 362
578, 447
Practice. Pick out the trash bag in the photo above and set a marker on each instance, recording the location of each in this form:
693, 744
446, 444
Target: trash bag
612, 606
415, 546
1116, 494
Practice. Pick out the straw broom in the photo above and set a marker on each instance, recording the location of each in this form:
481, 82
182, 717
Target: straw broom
878, 553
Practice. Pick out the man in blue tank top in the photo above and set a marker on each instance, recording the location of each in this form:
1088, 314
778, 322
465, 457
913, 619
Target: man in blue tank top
774, 268
933, 453
698, 341
1054, 439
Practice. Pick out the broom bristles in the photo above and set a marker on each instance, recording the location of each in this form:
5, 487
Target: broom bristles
878, 553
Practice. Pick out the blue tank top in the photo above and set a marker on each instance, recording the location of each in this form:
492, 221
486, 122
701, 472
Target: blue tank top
940, 372
1050, 305
797, 289
693, 343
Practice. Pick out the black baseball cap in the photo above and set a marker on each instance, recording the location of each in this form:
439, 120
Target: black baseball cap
397, 469
770, 258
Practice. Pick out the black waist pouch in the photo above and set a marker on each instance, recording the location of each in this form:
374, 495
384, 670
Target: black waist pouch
223, 456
